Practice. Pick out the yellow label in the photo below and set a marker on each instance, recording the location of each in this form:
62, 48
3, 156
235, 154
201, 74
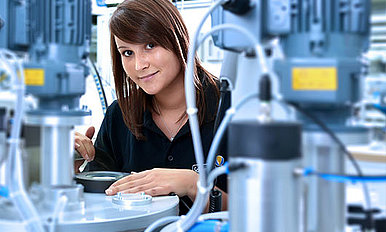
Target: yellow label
34, 76
314, 78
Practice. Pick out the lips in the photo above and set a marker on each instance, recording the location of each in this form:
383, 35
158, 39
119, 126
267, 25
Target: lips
146, 77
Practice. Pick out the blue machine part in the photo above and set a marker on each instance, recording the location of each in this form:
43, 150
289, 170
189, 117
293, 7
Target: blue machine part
56, 35
3, 24
210, 225
382, 103
323, 53
4, 191
14, 37
229, 39
381, 108
323, 41
307, 28
101, 2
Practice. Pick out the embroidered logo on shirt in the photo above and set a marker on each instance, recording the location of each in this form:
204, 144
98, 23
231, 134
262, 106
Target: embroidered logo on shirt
195, 168
219, 161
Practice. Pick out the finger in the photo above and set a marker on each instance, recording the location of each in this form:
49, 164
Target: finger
90, 150
139, 189
133, 176
85, 149
121, 181
112, 190
80, 148
129, 185
88, 146
76, 145
77, 135
90, 132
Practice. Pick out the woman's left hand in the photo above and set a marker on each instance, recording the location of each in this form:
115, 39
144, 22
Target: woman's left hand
158, 181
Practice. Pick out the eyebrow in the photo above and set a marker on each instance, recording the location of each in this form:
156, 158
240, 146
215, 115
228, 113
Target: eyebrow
122, 47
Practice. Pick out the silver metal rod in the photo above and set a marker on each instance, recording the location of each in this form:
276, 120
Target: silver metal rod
57, 156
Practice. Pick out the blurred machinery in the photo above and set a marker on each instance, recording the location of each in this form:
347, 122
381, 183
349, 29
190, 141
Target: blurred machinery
374, 100
371, 110
44, 49
320, 74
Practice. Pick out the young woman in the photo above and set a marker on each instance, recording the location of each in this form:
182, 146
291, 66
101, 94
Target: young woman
145, 131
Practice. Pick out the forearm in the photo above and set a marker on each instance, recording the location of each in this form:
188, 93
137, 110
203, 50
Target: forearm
192, 188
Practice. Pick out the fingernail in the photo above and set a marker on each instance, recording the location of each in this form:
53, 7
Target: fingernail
87, 157
109, 191
77, 145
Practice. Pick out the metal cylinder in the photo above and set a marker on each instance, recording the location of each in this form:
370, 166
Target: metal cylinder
57, 145
325, 200
57, 156
265, 196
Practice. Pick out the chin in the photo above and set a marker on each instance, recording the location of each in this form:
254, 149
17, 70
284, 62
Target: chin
150, 91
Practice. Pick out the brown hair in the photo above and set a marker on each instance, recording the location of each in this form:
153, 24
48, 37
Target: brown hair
158, 22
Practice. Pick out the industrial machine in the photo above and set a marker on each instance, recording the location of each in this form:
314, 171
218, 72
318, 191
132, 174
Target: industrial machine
44, 47
319, 75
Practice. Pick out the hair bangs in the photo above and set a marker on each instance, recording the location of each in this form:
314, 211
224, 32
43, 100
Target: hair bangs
138, 27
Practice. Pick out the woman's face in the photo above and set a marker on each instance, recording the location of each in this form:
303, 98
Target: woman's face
152, 68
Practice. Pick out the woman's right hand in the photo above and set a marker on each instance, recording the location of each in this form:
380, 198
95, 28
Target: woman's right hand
83, 144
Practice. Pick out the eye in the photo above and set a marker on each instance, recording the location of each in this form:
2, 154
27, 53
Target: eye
127, 53
150, 46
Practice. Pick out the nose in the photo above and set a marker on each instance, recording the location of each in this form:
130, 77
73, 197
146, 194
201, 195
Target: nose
141, 61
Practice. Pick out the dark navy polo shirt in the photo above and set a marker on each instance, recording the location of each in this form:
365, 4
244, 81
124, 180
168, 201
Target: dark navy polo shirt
117, 149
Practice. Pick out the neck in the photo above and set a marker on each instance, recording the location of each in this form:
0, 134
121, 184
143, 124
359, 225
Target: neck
174, 97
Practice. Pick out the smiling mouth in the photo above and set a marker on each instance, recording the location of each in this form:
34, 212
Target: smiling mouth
147, 76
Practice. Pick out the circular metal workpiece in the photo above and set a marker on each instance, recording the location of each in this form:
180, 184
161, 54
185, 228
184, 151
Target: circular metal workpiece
101, 175
132, 199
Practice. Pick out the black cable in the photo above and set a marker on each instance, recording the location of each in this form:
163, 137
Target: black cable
215, 201
223, 105
215, 196
341, 146
265, 93
100, 81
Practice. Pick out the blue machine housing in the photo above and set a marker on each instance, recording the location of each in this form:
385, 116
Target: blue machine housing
56, 36
313, 34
